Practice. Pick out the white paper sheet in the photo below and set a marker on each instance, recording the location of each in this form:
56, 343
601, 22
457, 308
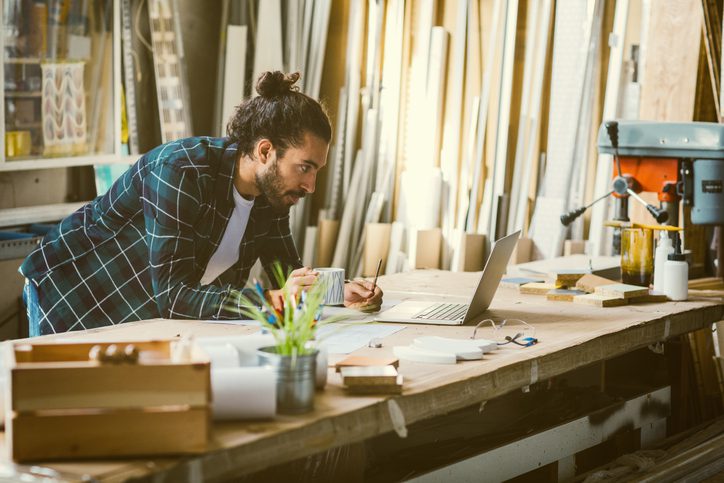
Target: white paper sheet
341, 338
253, 323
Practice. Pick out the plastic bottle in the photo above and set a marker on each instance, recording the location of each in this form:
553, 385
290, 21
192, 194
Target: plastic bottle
676, 275
663, 249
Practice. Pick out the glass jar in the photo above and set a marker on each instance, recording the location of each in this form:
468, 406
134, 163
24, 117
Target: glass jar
637, 256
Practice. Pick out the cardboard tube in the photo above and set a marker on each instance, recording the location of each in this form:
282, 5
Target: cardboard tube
243, 393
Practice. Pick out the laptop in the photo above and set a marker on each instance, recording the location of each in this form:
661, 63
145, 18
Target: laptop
421, 312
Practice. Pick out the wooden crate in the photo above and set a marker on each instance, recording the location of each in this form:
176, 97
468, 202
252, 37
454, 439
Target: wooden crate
62, 405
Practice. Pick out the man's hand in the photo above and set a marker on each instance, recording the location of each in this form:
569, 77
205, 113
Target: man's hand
300, 279
362, 295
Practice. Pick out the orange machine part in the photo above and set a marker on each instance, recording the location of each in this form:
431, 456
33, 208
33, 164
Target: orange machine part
651, 174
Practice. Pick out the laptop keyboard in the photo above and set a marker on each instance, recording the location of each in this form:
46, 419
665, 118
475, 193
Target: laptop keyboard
443, 312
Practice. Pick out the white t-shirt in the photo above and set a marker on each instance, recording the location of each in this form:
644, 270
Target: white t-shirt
227, 253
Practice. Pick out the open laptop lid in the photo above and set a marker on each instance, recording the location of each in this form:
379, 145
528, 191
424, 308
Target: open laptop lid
492, 273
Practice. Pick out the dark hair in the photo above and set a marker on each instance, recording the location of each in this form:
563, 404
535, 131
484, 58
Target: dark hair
280, 113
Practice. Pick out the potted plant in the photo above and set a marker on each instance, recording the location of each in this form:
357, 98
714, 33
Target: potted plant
294, 328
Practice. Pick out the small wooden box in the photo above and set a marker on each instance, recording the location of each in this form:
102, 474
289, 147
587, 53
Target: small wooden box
62, 405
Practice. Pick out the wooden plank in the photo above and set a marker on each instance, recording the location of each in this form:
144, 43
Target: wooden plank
124, 433
424, 250
473, 252
327, 239
455, 21
391, 103
268, 44
10, 217
523, 251
536, 45
563, 295
108, 386
571, 73
377, 247
537, 288
234, 73
599, 300
668, 83
621, 290
599, 211
353, 60
589, 282
310, 246
482, 124
651, 298
574, 247
498, 217
78, 352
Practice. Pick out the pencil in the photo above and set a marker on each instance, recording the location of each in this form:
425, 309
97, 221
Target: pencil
377, 274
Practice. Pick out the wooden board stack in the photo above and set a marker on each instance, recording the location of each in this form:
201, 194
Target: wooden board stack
583, 288
382, 379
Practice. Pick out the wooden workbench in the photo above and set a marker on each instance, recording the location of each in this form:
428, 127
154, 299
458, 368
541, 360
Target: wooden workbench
571, 336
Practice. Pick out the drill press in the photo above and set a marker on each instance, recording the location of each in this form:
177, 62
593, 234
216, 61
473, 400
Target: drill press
682, 162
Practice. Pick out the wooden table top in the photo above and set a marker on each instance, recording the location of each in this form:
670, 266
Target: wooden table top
570, 336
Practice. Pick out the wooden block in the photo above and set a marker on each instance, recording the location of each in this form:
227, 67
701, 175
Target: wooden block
368, 375
537, 288
516, 282
650, 298
362, 361
589, 282
574, 247
377, 246
425, 248
473, 258
567, 277
563, 295
395, 388
621, 290
327, 232
522, 252
599, 300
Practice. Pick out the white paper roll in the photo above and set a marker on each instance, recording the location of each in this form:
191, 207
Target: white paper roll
243, 393
321, 375
246, 345
222, 355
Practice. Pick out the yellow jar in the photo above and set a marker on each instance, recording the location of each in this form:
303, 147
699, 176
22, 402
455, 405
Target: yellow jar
17, 143
637, 256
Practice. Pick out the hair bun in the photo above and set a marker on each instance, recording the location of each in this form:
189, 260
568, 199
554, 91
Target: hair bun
276, 84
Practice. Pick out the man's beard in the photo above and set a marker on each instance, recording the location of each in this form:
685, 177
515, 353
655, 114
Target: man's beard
271, 186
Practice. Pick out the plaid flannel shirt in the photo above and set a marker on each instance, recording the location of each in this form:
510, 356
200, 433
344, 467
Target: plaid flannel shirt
140, 250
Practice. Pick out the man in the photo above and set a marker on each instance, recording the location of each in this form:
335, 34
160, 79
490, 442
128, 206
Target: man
177, 234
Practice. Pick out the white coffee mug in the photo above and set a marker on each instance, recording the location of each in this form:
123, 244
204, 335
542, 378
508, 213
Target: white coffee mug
333, 279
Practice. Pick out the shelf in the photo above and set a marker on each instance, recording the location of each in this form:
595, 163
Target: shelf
22, 125
37, 214
17, 249
22, 60
16, 95
46, 163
